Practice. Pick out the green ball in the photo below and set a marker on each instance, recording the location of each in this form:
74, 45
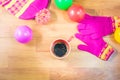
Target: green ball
63, 4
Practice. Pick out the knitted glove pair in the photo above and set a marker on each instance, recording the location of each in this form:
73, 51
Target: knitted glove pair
91, 31
24, 9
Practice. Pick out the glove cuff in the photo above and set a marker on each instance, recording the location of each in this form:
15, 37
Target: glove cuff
116, 21
109, 27
106, 52
4, 2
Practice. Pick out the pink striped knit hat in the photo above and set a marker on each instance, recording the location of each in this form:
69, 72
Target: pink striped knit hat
24, 9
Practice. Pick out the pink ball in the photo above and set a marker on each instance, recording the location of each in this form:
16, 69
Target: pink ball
23, 34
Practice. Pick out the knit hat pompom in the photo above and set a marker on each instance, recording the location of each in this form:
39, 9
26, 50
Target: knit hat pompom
43, 16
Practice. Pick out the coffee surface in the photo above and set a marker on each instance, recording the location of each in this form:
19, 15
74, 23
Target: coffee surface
60, 49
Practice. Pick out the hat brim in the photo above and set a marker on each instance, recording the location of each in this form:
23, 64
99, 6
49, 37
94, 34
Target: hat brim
33, 8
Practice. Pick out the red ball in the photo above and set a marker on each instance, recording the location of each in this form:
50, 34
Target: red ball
76, 13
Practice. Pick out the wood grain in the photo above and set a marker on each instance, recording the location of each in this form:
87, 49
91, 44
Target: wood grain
33, 61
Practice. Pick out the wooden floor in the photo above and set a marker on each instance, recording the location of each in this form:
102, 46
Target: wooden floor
33, 61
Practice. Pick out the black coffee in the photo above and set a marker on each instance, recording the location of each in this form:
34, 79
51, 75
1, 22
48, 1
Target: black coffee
60, 49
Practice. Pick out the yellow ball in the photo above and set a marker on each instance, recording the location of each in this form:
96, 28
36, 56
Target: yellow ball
117, 35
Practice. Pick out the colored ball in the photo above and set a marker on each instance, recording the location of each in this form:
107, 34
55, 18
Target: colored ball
117, 35
76, 13
63, 4
23, 34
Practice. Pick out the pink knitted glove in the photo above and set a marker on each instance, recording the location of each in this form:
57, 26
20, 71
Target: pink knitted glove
98, 26
91, 31
97, 47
